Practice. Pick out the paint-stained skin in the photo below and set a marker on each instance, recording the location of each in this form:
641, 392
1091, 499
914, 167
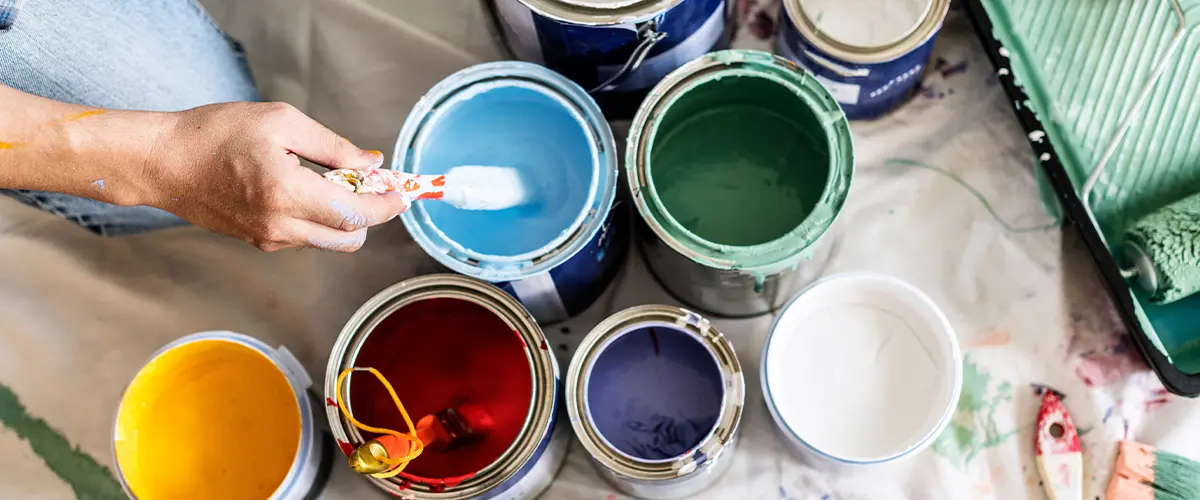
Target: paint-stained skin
349, 242
98, 184
10, 145
351, 216
81, 115
86, 477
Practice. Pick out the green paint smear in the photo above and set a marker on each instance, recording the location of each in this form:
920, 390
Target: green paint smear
1083, 64
87, 478
739, 161
973, 427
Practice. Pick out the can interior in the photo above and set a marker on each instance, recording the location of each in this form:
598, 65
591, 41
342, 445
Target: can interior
866, 23
522, 125
739, 160
441, 353
207, 419
862, 368
654, 392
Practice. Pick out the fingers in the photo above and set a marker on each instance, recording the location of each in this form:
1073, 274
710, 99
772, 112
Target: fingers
312, 141
302, 233
334, 207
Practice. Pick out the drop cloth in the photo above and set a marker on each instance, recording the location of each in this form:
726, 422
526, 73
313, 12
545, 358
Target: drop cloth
79, 313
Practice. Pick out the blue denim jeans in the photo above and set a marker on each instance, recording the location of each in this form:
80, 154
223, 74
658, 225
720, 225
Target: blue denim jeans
157, 55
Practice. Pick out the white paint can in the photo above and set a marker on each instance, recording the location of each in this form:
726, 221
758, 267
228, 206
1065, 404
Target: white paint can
861, 368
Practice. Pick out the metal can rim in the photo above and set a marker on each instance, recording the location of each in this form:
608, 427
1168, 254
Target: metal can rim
710, 448
924, 30
773, 256
592, 216
950, 338
543, 367
582, 14
304, 448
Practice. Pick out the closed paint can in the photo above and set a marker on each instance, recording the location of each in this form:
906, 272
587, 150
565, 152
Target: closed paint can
738, 163
556, 255
655, 395
221, 415
869, 53
861, 369
445, 340
617, 49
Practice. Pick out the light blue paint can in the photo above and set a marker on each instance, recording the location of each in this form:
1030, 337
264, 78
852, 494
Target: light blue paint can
556, 255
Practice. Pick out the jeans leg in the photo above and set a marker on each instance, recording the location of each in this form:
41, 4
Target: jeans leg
156, 55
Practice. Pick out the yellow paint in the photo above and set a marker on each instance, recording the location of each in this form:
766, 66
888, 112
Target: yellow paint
81, 115
9, 145
208, 419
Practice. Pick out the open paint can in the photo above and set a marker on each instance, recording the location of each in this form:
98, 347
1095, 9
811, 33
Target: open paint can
221, 415
558, 255
738, 163
618, 49
861, 369
870, 54
446, 341
655, 395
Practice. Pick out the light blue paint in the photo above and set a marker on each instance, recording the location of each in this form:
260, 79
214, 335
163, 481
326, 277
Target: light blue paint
654, 393
350, 215
341, 243
99, 183
520, 125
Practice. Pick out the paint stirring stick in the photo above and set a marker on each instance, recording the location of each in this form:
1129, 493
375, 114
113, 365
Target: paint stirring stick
467, 187
441, 432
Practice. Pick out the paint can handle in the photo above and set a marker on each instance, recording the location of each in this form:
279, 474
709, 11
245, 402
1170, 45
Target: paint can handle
650, 36
294, 369
836, 68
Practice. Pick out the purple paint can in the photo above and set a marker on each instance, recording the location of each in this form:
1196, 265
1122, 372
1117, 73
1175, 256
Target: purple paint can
655, 395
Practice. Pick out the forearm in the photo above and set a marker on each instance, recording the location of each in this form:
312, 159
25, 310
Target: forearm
101, 154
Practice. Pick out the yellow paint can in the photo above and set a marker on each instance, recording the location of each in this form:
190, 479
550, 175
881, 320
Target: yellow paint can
219, 415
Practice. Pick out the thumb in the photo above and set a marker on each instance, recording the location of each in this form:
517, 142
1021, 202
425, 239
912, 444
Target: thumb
313, 142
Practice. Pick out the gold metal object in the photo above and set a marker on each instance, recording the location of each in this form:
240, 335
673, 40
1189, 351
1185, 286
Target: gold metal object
369, 458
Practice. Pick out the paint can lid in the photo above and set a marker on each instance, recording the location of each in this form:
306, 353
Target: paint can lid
599, 12
867, 31
862, 368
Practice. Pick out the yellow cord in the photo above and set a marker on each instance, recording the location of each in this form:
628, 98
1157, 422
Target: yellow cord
415, 444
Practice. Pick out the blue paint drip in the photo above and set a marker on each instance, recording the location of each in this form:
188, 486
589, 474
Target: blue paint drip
655, 393
520, 126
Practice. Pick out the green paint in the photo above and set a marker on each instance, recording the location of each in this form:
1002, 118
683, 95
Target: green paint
739, 161
89, 479
973, 428
1082, 78
1168, 237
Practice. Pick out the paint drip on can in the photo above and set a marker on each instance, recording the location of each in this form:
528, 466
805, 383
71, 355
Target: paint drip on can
618, 49
870, 54
556, 255
875, 355
228, 386
446, 341
655, 395
738, 163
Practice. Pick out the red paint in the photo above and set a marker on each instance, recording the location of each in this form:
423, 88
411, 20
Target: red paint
347, 448
330, 402
442, 353
1053, 413
544, 346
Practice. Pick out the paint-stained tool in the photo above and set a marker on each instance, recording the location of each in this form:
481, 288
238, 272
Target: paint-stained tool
468, 187
1056, 443
387, 455
1160, 249
1143, 473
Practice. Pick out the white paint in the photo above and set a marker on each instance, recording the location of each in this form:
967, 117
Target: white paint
862, 368
866, 23
1002, 71
1044, 157
602, 4
475, 187
1003, 52
1037, 136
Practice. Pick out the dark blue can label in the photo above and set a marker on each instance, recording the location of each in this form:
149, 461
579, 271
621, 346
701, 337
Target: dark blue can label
572, 287
864, 91
594, 55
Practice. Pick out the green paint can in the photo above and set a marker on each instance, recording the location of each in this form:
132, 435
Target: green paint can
738, 163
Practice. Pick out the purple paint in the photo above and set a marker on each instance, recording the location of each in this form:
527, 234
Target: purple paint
654, 392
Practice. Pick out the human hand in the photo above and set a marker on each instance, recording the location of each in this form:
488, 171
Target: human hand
234, 168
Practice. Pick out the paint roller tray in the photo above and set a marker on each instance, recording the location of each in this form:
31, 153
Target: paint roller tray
1072, 68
